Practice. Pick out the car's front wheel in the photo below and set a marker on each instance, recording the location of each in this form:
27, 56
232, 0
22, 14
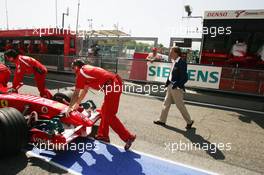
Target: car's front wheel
13, 131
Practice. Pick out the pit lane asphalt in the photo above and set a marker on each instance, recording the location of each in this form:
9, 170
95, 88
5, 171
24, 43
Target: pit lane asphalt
245, 132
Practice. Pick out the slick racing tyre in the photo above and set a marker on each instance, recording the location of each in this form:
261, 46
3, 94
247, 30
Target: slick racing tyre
63, 96
13, 131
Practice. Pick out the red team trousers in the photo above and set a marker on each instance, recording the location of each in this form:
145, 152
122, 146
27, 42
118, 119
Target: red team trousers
108, 113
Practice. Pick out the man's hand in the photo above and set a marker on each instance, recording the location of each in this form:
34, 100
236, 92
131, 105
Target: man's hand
76, 106
73, 104
70, 109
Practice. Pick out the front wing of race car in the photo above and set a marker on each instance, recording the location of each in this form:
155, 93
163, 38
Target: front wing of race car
58, 135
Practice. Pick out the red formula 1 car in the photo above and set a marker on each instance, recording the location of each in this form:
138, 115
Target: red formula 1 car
31, 119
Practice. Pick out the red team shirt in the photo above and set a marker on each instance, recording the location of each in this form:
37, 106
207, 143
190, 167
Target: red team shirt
26, 65
93, 77
4, 75
3, 67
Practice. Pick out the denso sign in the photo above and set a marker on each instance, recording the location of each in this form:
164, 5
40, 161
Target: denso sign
235, 14
216, 14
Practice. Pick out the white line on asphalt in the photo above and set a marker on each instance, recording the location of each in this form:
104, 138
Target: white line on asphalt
55, 81
169, 161
199, 103
226, 107
162, 98
160, 158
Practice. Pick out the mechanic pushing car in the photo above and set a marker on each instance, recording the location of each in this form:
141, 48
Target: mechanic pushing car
4, 75
88, 76
27, 65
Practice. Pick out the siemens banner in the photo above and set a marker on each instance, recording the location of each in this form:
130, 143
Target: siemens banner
199, 76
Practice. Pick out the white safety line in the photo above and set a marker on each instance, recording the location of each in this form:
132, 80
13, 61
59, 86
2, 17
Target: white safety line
199, 103
227, 107
57, 81
160, 158
169, 161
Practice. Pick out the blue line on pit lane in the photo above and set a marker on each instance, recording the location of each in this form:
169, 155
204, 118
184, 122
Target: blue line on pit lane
106, 159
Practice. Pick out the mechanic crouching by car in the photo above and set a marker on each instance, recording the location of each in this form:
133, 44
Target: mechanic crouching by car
25, 66
88, 76
4, 75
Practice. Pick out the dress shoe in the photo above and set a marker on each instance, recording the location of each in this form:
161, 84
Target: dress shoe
157, 122
129, 142
189, 126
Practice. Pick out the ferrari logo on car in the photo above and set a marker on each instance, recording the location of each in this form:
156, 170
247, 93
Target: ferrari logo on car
3, 103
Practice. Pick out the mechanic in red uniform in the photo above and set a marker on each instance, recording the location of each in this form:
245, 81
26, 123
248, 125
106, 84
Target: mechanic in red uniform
4, 75
27, 65
88, 76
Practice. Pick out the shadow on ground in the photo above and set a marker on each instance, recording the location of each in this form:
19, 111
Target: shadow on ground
45, 166
249, 118
17, 163
198, 141
13, 164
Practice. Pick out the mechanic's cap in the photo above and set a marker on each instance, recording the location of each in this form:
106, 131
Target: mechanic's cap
154, 49
78, 62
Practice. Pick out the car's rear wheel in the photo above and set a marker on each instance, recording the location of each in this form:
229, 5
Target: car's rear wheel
63, 96
13, 131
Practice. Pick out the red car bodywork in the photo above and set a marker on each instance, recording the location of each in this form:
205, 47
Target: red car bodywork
78, 124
